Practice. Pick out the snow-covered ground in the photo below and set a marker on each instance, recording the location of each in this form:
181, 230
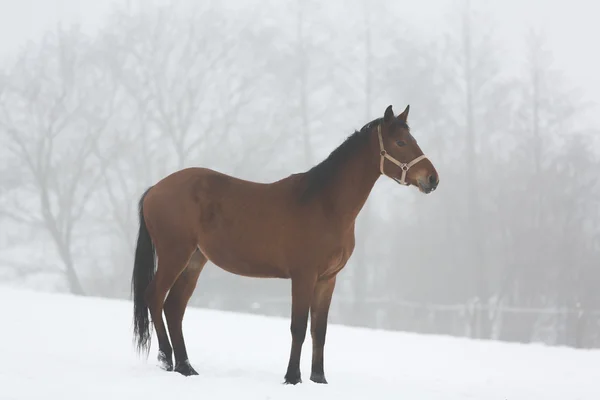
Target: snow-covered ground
63, 347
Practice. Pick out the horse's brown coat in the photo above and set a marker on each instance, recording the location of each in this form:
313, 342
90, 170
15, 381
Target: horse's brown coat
300, 227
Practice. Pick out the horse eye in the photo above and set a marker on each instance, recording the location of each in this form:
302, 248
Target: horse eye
401, 143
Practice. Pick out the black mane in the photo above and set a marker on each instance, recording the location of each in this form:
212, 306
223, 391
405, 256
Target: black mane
321, 174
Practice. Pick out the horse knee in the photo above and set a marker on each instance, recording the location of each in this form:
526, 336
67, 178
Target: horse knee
318, 333
298, 331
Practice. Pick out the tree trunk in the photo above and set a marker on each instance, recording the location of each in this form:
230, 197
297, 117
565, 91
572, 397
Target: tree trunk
473, 215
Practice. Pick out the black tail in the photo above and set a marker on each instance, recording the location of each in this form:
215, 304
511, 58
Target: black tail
143, 272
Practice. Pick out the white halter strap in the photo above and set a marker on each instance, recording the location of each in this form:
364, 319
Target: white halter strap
403, 166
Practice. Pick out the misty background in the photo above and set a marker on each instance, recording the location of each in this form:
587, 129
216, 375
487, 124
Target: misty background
99, 100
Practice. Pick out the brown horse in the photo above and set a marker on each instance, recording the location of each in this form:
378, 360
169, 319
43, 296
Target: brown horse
300, 227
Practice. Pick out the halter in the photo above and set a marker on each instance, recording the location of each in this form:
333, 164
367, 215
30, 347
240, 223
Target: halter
403, 166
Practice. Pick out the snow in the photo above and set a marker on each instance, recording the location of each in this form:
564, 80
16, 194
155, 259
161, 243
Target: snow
61, 346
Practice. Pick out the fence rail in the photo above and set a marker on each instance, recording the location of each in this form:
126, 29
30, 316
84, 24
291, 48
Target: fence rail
568, 326
450, 307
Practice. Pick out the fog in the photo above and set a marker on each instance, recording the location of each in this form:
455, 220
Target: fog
100, 100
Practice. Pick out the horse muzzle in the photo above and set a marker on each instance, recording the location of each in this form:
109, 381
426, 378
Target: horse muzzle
429, 184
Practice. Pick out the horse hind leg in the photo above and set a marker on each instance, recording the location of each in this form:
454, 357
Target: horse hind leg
171, 263
175, 305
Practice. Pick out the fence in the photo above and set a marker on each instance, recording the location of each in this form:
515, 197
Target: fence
574, 327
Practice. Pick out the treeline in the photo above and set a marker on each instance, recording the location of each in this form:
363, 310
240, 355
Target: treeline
507, 247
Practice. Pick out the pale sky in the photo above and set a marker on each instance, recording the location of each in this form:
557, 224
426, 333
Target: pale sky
571, 27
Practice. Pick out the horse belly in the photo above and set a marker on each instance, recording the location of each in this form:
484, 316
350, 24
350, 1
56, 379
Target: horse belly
254, 270
237, 263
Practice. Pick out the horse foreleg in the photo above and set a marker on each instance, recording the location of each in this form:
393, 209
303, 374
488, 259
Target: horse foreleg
302, 292
319, 311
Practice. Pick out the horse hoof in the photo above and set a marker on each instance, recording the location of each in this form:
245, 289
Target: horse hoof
185, 369
318, 378
165, 362
292, 380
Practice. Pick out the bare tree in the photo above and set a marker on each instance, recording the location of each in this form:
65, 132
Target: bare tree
189, 87
475, 79
52, 114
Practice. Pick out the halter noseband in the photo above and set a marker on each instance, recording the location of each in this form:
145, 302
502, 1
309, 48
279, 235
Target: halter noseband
403, 166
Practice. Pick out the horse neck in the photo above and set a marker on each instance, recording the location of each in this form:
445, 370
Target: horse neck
353, 182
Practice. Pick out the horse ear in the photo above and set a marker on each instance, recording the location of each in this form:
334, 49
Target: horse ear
388, 117
404, 116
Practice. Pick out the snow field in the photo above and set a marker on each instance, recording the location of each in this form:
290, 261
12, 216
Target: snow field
56, 346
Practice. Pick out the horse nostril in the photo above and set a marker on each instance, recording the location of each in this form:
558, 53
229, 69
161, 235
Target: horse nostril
433, 180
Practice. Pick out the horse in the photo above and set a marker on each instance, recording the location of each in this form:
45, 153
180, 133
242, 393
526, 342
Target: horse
301, 227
